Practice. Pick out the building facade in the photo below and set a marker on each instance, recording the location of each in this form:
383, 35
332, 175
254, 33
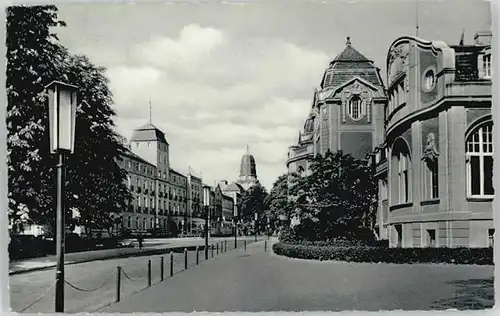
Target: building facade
435, 163
195, 202
347, 111
141, 176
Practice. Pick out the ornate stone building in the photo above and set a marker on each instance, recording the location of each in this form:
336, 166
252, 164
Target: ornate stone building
347, 111
248, 171
435, 163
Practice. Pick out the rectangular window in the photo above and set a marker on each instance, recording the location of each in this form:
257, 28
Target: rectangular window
431, 237
475, 175
491, 234
487, 65
488, 175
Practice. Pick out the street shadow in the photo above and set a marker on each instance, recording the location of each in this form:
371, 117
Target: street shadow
472, 294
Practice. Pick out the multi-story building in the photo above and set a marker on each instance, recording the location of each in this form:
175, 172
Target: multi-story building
179, 188
435, 163
159, 191
347, 111
195, 202
227, 214
140, 215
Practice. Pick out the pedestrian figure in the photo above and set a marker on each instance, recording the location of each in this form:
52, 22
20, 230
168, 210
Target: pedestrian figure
140, 239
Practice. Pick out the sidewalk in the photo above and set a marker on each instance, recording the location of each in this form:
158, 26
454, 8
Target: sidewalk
259, 281
151, 247
41, 263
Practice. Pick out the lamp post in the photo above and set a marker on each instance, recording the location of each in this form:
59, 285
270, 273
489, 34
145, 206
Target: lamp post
207, 210
62, 119
256, 217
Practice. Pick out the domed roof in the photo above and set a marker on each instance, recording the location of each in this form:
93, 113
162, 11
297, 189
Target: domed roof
309, 125
349, 64
247, 166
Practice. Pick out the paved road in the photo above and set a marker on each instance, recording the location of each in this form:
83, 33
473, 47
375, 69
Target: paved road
258, 281
27, 288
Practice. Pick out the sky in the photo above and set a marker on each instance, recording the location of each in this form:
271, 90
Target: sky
222, 76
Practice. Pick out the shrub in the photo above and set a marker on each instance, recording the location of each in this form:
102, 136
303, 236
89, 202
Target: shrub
363, 253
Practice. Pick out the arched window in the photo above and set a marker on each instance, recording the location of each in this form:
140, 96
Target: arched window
401, 164
356, 108
479, 161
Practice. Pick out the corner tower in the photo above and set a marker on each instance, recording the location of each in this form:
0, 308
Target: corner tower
349, 105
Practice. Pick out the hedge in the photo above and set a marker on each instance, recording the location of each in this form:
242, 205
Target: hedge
479, 256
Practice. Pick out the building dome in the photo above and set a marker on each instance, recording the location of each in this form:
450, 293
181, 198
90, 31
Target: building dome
247, 166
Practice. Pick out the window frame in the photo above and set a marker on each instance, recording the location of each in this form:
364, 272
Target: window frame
479, 130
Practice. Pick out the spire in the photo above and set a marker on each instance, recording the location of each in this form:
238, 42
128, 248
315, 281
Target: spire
150, 119
416, 18
348, 42
248, 150
462, 38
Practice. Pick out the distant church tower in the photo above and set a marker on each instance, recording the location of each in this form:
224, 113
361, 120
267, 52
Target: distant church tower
248, 171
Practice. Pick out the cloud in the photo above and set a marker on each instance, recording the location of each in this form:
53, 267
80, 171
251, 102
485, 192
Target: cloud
213, 94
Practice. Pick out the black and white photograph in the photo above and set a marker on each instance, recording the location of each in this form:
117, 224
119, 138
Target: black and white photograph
250, 156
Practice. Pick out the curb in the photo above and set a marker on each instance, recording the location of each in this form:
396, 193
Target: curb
151, 252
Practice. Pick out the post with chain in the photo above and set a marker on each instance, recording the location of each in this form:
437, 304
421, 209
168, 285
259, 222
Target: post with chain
149, 272
162, 274
217, 248
118, 283
185, 258
245, 245
265, 245
197, 256
212, 251
225, 245
171, 263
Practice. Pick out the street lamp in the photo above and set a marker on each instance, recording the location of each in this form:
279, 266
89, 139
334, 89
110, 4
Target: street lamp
62, 121
256, 216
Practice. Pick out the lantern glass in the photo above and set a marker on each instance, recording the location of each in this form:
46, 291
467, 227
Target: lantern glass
62, 116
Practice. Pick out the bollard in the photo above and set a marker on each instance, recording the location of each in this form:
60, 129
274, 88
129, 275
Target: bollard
185, 258
162, 274
197, 256
265, 245
212, 251
217, 247
149, 272
225, 245
118, 283
171, 263
245, 245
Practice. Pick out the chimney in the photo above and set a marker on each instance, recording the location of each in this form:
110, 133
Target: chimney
483, 38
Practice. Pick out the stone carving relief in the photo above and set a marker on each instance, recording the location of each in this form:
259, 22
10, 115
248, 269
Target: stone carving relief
430, 153
398, 61
361, 92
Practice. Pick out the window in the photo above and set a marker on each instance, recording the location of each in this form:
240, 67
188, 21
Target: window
487, 65
327, 80
431, 237
491, 234
383, 193
401, 174
431, 181
356, 108
137, 222
129, 181
403, 178
429, 80
144, 223
479, 162
129, 222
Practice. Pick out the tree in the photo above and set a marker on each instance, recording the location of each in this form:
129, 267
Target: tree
278, 204
336, 199
31, 51
253, 201
95, 183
